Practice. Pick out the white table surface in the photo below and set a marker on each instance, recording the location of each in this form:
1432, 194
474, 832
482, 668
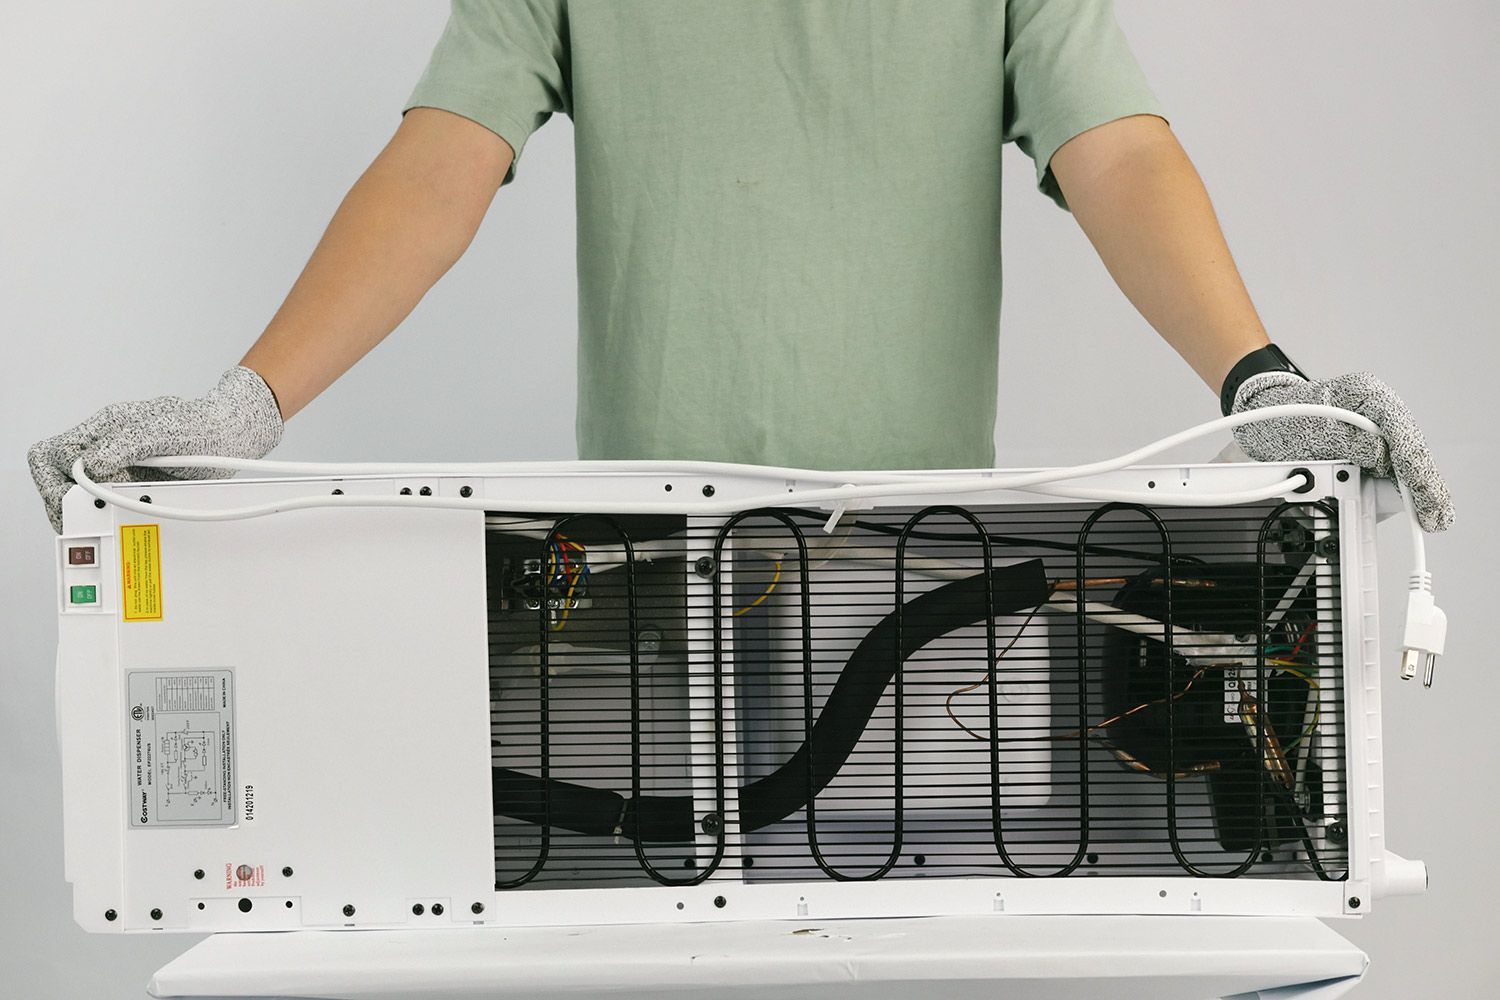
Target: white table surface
936, 958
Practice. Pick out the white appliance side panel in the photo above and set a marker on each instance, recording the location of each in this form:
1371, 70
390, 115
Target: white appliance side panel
357, 645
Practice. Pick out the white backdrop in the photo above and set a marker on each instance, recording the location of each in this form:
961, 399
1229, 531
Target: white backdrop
166, 168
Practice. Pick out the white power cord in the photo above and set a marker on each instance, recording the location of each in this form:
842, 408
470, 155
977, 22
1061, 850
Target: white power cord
1426, 629
1425, 626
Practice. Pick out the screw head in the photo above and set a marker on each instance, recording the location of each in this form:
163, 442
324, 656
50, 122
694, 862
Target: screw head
1292, 535
110, 915
198, 873
466, 491
711, 823
1353, 902
245, 905
145, 498
919, 860
100, 504
477, 908
1342, 475
406, 491
286, 872
425, 491
338, 493
708, 491
348, 910
418, 909
720, 902
156, 914
704, 566
437, 909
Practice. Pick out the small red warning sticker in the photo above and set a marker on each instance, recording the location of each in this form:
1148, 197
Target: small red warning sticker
244, 876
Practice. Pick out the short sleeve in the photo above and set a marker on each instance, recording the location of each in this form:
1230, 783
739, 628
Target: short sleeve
501, 63
1067, 70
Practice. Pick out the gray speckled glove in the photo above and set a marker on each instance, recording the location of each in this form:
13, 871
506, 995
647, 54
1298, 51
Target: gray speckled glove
238, 418
1400, 454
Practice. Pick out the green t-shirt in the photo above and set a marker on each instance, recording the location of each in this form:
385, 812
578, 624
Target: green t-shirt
789, 210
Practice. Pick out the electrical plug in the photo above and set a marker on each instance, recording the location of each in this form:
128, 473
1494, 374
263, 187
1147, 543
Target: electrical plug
1426, 630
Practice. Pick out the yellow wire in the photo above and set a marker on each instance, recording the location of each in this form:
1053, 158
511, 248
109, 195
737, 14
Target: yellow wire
767, 593
574, 577
1286, 668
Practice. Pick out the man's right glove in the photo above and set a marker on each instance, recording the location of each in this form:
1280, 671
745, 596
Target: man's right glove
1399, 452
238, 418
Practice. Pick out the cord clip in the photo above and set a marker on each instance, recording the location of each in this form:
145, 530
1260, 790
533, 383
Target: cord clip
839, 508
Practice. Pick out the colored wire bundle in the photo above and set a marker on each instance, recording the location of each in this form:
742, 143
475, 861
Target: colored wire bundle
563, 571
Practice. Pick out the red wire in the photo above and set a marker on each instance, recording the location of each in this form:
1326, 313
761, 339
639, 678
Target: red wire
1305, 633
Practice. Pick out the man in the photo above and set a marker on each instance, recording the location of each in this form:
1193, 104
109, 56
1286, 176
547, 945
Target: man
788, 209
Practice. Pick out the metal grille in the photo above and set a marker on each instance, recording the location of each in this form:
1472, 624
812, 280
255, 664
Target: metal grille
1009, 691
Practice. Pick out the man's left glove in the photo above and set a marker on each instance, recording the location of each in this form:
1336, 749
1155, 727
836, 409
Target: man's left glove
1401, 452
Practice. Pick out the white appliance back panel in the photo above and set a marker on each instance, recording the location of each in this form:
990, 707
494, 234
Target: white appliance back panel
347, 651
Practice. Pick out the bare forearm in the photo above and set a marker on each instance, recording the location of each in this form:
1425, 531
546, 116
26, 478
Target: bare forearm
1135, 193
402, 225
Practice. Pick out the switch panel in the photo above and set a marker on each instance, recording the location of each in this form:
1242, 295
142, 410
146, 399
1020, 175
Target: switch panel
83, 565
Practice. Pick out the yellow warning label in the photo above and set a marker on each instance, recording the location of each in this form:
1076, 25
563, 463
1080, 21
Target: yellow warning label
140, 572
